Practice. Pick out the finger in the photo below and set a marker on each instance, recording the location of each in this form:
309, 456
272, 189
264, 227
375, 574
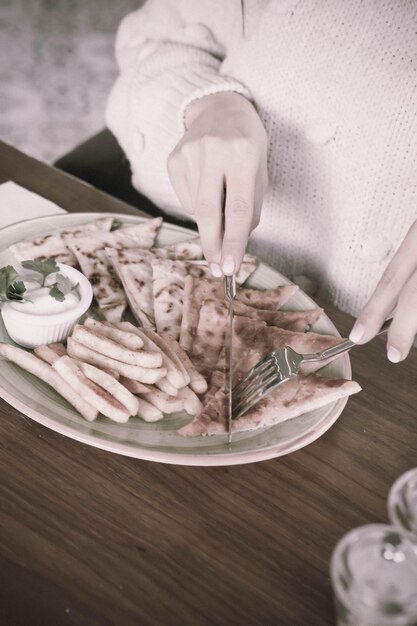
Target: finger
208, 212
387, 292
180, 182
403, 328
238, 219
260, 188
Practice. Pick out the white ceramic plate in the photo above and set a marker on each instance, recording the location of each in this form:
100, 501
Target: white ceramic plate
160, 441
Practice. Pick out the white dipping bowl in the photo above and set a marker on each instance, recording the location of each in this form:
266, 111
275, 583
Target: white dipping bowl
30, 330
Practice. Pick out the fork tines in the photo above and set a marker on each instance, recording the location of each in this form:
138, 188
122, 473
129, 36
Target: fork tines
264, 375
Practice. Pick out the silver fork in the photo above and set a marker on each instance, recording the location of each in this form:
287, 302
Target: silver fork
277, 367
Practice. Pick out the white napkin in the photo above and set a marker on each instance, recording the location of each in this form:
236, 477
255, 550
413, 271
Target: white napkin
18, 203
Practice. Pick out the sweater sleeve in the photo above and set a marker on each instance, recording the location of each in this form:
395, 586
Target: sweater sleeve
169, 53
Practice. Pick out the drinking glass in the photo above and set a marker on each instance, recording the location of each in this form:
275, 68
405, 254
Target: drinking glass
374, 577
402, 501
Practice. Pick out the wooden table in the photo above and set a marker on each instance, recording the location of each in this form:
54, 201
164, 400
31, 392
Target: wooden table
91, 538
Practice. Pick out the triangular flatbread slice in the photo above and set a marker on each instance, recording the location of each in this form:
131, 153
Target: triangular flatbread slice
190, 250
92, 258
195, 291
252, 339
133, 266
168, 287
107, 288
299, 321
135, 235
168, 291
268, 299
210, 335
54, 245
134, 269
200, 269
291, 399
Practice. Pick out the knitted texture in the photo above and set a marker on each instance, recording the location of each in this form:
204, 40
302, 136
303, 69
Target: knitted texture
335, 85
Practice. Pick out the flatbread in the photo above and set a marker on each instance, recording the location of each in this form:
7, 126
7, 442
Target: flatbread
198, 290
201, 269
92, 258
299, 321
291, 399
133, 266
185, 250
210, 335
168, 287
254, 339
54, 245
195, 291
169, 284
267, 299
134, 269
135, 235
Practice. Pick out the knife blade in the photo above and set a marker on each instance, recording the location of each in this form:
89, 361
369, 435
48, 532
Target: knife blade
229, 294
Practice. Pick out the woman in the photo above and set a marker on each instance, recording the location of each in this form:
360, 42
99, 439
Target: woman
214, 97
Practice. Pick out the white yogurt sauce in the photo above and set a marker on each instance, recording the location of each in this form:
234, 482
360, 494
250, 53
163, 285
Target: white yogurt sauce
37, 300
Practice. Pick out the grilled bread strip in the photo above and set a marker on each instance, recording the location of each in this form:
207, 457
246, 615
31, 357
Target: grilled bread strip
143, 375
173, 373
94, 340
110, 384
197, 382
148, 412
45, 372
94, 394
128, 340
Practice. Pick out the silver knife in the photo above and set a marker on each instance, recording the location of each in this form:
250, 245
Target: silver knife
229, 294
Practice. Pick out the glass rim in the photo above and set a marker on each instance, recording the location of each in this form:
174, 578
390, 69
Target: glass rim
394, 490
343, 596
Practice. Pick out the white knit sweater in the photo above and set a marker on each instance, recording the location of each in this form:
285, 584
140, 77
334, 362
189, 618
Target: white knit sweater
335, 84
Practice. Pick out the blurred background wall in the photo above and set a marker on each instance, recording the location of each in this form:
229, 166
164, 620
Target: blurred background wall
56, 69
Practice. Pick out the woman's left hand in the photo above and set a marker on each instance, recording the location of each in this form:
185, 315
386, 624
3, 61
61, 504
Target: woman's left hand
396, 292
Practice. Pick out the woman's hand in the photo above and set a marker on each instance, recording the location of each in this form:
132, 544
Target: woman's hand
397, 290
219, 173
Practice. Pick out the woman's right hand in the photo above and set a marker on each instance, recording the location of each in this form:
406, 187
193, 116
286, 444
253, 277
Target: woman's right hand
219, 173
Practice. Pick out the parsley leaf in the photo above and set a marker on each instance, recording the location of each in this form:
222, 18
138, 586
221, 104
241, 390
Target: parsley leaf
116, 224
12, 289
56, 293
16, 290
45, 268
60, 289
64, 283
9, 288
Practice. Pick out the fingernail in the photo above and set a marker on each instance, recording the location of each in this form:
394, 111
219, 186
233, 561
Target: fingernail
228, 265
215, 270
394, 355
357, 333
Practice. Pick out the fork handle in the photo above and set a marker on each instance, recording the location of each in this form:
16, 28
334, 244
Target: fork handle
341, 347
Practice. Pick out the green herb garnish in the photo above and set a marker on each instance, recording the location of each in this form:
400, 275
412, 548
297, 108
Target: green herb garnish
10, 289
116, 224
44, 268
62, 286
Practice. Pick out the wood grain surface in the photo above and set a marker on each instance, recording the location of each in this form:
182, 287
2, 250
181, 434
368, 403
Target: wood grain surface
91, 538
